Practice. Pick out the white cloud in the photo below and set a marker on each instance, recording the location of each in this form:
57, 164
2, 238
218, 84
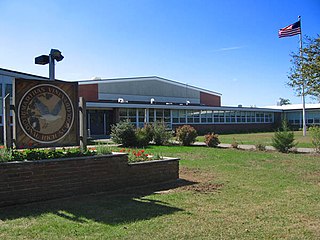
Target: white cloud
228, 49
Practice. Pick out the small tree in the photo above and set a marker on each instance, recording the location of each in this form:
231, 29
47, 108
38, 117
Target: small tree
142, 137
149, 130
186, 135
160, 135
212, 140
306, 69
315, 136
284, 101
283, 140
124, 133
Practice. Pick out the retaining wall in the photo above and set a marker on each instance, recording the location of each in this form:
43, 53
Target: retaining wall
29, 181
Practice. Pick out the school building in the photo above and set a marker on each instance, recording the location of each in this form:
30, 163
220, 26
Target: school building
150, 99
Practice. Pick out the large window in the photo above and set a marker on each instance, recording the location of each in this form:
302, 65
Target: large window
295, 117
175, 116
151, 115
251, 117
206, 116
162, 115
259, 117
268, 117
230, 116
221, 116
8, 89
182, 116
190, 116
128, 114
241, 116
193, 116
141, 117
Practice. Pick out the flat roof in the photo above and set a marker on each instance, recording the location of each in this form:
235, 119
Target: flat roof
94, 81
15, 73
101, 105
296, 106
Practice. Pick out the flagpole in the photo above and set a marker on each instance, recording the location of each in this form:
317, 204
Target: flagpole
303, 83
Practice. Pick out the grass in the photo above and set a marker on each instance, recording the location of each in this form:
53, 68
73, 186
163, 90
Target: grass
263, 195
264, 138
249, 139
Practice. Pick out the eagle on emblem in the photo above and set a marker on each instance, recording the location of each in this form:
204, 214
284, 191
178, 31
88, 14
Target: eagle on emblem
47, 115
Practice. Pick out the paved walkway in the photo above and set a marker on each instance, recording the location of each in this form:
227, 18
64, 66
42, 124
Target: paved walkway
227, 145
253, 147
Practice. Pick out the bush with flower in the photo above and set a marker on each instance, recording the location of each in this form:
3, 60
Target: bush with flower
136, 155
7, 155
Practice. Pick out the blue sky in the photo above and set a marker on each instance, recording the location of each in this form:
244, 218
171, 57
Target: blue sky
228, 46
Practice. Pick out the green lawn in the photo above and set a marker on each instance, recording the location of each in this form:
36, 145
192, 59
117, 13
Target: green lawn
265, 138
233, 194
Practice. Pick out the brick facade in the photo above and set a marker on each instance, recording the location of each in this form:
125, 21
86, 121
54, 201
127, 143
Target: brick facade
89, 92
210, 100
23, 182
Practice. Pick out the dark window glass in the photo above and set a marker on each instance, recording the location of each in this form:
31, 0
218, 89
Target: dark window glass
8, 89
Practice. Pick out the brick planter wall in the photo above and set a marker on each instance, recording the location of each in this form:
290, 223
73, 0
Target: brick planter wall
23, 182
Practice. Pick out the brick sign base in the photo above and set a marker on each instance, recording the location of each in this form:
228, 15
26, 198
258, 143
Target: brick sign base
24, 182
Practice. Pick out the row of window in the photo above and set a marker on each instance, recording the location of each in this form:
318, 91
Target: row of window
309, 121
295, 118
209, 116
139, 116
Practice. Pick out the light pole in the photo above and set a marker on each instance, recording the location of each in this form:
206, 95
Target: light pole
55, 54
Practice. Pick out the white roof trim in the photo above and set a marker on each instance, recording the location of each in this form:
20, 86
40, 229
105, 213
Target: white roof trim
16, 74
103, 105
296, 106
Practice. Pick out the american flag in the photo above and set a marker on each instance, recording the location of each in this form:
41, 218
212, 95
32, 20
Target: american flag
291, 30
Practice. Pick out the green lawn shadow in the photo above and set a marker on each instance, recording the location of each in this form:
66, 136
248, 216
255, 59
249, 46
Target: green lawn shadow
115, 208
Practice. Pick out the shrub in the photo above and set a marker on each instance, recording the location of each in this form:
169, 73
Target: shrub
186, 135
283, 140
315, 137
124, 133
149, 130
136, 155
160, 135
212, 140
260, 146
234, 143
5, 154
142, 137
103, 149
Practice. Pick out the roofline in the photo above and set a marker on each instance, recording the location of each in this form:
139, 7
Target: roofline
150, 77
102, 105
17, 72
296, 107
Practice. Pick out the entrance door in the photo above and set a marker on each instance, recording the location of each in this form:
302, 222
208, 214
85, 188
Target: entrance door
99, 122
97, 126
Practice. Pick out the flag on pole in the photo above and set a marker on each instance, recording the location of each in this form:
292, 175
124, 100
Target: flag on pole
291, 30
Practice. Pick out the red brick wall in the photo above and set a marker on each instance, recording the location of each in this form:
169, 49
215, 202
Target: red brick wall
24, 182
89, 92
210, 100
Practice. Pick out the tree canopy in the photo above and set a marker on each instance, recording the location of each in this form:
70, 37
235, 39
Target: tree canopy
306, 69
284, 101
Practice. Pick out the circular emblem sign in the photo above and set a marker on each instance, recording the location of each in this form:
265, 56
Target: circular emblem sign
45, 113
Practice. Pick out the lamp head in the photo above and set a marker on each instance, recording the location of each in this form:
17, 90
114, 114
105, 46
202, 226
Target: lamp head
42, 60
56, 54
